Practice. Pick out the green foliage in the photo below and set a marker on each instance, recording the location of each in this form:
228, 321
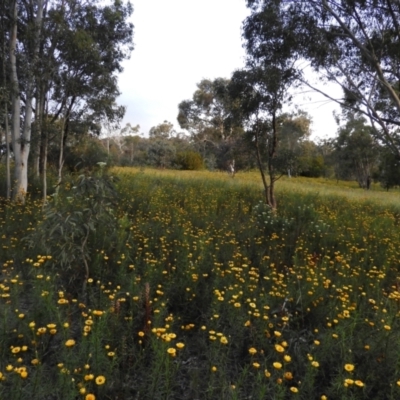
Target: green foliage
356, 152
353, 44
388, 173
312, 166
72, 223
69, 54
162, 131
85, 154
160, 153
189, 160
209, 115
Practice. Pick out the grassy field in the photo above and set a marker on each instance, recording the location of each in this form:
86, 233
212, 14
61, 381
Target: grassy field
183, 285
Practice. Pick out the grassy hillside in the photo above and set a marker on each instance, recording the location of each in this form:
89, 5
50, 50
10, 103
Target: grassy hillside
183, 285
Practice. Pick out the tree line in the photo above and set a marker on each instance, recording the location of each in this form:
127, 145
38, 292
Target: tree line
352, 154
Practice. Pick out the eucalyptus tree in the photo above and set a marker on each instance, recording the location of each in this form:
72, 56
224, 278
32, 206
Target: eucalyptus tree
356, 152
162, 131
262, 88
262, 91
208, 117
295, 129
208, 114
5, 94
352, 43
64, 57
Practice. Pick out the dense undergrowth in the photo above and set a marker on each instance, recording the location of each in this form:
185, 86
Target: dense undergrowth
186, 286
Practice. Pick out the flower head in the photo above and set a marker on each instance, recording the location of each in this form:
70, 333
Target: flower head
252, 351
70, 343
100, 380
279, 348
277, 365
349, 367
171, 351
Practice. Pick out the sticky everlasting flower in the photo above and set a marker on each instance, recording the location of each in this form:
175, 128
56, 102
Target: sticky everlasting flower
90, 396
252, 351
70, 343
279, 348
315, 364
288, 375
171, 351
100, 380
349, 367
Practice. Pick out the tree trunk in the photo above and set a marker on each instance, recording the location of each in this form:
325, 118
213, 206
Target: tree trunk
44, 166
21, 142
7, 137
260, 167
8, 178
15, 104
272, 146
61, 158
38, 131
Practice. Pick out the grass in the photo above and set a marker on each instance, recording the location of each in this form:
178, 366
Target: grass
197, 291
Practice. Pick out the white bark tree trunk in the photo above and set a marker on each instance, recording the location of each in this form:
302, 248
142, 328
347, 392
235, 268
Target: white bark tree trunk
21, 142
15, 98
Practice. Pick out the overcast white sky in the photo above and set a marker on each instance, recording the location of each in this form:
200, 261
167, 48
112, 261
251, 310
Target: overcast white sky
177, 44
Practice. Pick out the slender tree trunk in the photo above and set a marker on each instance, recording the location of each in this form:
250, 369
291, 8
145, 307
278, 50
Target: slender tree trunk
15, 99
8, 193
131, 153
38, 132
61, 158
44, 166
272, 147
261, 169
7, 137
21, 142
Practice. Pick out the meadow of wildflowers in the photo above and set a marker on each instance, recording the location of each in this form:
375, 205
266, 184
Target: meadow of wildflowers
175, 285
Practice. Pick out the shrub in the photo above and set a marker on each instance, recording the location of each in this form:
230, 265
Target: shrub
189, 160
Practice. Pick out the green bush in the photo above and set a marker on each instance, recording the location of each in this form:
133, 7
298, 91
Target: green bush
85, 155
189, 160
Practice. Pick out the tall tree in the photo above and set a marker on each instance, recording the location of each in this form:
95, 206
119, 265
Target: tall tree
263, 87
294, 129
355, 151
353, 43
65, 55
208, 116
5, 93
162, 131
262, 92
